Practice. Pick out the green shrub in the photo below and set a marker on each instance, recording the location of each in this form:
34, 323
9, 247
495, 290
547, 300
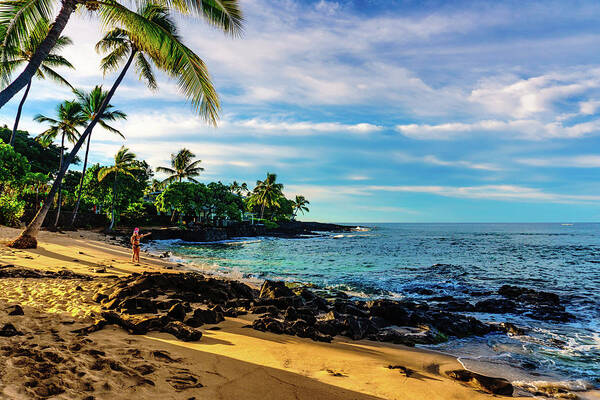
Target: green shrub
11, 209
271, 225
137, 214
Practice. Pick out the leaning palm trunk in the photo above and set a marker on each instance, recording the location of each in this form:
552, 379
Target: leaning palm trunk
18, 117
42, 51
60, 164
27, 239
87, 150
114, 201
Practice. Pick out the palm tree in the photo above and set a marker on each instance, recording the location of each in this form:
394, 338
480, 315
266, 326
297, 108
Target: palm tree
18, 17
182, 167
149, 33
91, 103
300, 204
238, 189
124, 164
70, 116
22, 55
155, 186
266, 193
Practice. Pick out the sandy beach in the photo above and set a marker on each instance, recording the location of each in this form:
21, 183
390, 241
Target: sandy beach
230, 361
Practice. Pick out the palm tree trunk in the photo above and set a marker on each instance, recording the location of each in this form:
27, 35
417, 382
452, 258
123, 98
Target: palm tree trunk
87, 150
262, 210
27, 238
114, 201
42, 51
62, 149
18, 117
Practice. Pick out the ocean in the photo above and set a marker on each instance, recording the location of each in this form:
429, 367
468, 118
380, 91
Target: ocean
399, 260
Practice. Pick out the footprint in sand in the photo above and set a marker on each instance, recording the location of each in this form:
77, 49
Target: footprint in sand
336, 373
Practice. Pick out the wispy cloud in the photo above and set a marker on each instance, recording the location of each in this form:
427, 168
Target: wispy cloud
492, 192
434, 160
579, 161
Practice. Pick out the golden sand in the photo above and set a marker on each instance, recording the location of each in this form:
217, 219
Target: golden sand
231, 362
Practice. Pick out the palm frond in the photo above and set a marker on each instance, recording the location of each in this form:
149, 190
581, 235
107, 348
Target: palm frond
169, 55
54, 75
144, 70
110, 128
166, 170
20, 19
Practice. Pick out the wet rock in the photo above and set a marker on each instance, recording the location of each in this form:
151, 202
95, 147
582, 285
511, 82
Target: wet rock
345, 307
496, 306
138, 305
177, 312
528, 295
134, 324
290, 314
182, 331
268, 324
264, 310
511, 329
355, 328
320, 337
15, 310
300, 328
395, 312
487, 384
194, 322
98, 297
330, 327
9, 330
458, 305
275, 289
210, 316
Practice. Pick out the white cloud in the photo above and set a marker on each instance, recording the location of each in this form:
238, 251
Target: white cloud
529, 129
431, 159
492, 192
579, 161
539, 94
307, 127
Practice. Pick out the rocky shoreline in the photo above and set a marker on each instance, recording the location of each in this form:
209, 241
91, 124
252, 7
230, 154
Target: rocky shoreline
179, 303
289, 229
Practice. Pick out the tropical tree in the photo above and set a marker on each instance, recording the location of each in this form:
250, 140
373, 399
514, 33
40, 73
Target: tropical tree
22, 55
183, 167
239, 189
37, 182
19, 17
151, 32
124, 165
267, 193
155, 186
70, 117
91, 103
300, 205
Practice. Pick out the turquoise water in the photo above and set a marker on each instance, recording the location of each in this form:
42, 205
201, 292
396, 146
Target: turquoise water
396, 260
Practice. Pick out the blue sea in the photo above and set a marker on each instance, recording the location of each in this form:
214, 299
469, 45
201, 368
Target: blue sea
396, 260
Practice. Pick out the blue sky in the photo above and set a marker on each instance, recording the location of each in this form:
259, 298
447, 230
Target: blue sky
407, 111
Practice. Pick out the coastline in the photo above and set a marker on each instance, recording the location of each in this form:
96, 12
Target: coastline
232, 359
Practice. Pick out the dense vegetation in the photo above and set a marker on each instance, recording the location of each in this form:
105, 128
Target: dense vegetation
126, 191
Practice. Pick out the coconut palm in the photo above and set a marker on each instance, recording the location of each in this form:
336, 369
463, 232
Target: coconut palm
239, 189
19, 17
183, 167
266, 193
91, 103
300, 204
124, 165
22, 55
151, 32
70, 117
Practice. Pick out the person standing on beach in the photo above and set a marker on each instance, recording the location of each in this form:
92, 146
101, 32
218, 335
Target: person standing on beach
135, 244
